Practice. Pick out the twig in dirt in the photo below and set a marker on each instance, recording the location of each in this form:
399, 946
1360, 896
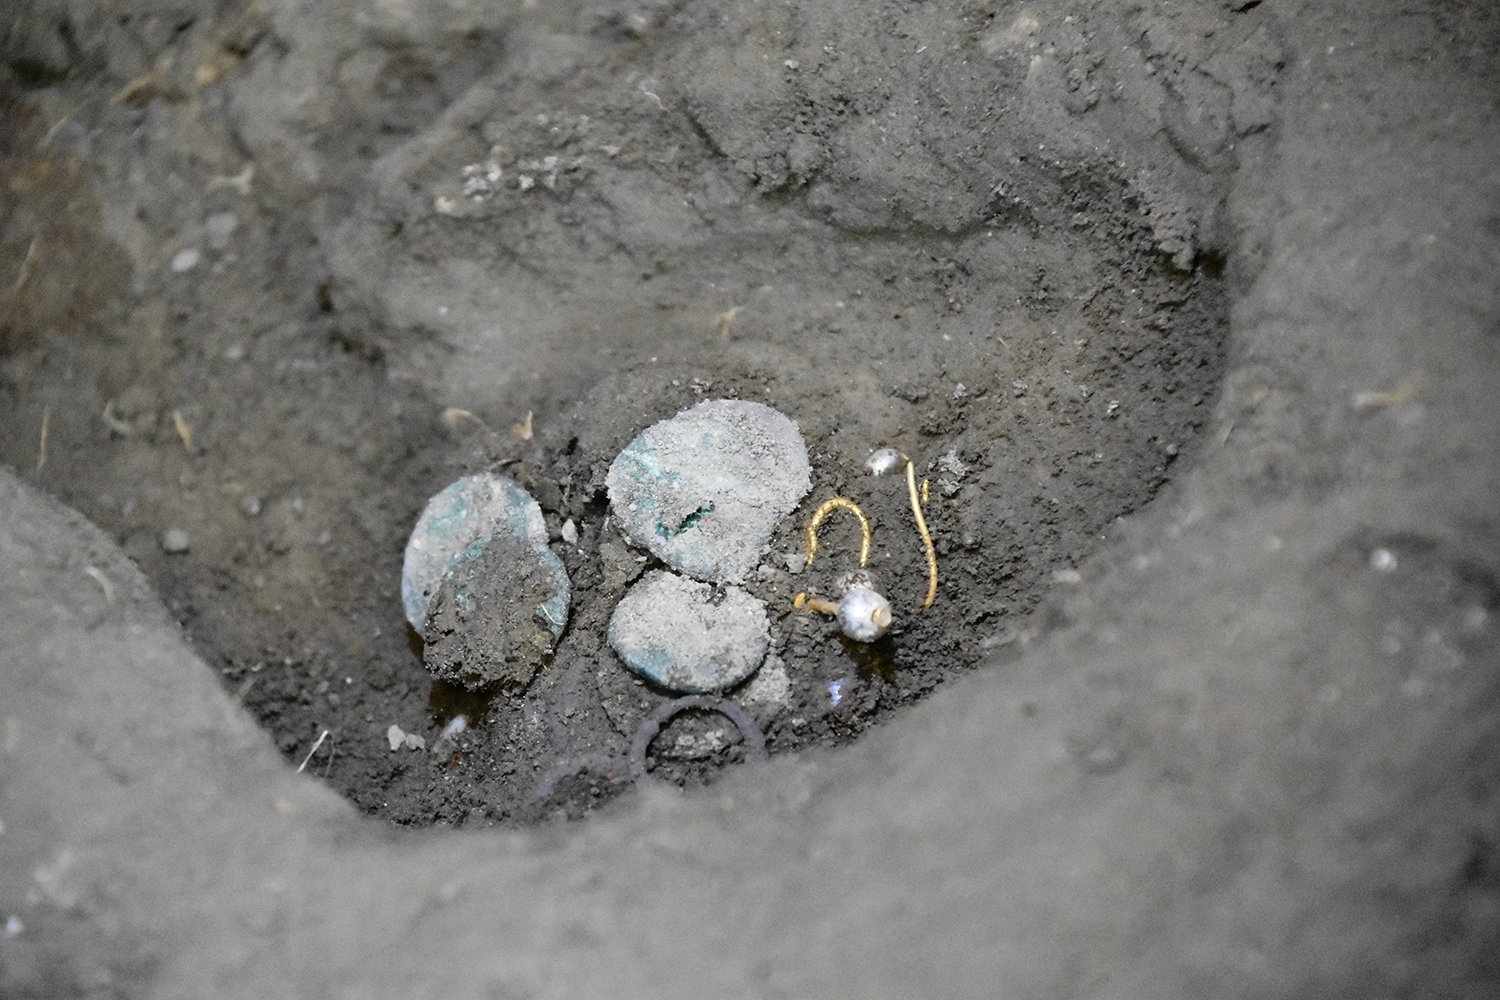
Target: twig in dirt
1378, 400
41, 448
453, 416
314, 750
114, 423
184, 430
25, 271
239, 696
149, 87
523, 429
239, 182
103, 581
51, 133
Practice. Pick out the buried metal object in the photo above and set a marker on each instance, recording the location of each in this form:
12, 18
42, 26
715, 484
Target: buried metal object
480, 585
497, 614
464, 512
687, 636
702, 490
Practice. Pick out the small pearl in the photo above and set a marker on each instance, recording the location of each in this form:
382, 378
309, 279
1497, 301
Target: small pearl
883, 461
863, 614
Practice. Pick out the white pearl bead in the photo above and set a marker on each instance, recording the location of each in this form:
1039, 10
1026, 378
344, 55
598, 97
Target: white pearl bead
863, 614
882, 461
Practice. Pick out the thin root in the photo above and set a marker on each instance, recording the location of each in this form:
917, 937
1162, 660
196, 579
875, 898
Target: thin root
453, 416
916, 510
184, 431
25, 271
523, 430
828, 507
323, 736
114, 423
97, 575
41, 448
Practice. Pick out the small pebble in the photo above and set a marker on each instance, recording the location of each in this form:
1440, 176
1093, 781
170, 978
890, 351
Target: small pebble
218, 228
569, 532
395, 736
882, 461
174, 541
250, 505
449, 737
186, 260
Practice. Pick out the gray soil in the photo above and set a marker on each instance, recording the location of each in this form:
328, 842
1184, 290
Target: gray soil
1036, 351
1187, 313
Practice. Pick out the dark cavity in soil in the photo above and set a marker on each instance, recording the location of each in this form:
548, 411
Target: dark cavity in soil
270, 405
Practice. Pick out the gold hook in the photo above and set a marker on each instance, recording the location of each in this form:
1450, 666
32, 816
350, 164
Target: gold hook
828, 507
918, 499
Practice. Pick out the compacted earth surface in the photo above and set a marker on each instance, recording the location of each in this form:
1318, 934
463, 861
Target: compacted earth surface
1184, 315
258, 409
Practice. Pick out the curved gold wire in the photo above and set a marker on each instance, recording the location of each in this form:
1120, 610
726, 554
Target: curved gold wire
918, 499
828, 507
916, 510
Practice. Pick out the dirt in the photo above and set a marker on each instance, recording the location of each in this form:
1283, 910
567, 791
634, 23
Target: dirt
1185, 311
1044, 356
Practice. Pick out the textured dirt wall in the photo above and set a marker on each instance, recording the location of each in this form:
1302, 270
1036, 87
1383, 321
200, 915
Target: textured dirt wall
1255, 755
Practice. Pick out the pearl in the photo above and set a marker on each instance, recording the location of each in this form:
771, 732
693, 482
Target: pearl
883, 461
863, 614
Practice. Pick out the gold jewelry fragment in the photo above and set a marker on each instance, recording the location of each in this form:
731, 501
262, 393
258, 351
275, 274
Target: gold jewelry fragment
916, 510
828, 507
